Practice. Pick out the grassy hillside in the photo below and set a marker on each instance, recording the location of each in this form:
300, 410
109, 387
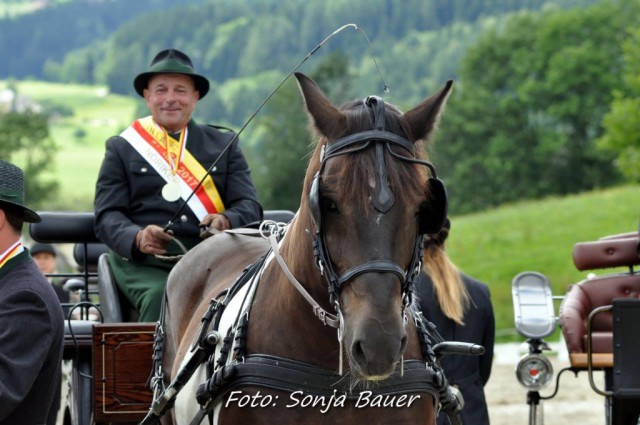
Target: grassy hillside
492, 246
82, 118
496, 245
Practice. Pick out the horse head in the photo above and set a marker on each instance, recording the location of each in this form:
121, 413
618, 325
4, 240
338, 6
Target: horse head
368, 194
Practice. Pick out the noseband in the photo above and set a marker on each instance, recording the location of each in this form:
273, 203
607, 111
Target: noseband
382, 201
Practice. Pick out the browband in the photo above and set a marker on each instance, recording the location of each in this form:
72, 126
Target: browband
366, 136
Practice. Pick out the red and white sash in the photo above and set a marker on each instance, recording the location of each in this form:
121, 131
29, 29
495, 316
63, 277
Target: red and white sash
148, 139
13, 250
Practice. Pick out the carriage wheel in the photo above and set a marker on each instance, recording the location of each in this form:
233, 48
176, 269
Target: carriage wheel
80, 403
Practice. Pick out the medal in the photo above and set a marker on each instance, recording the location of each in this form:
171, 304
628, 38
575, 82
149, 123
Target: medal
171, 191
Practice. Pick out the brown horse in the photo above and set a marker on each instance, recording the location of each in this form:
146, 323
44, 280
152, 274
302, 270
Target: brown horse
352, 249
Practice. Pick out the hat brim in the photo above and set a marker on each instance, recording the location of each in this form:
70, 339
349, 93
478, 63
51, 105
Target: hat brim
29, 216
141, 82
42, 249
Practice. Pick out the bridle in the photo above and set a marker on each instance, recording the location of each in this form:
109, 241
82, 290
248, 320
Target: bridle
430, 219
288, 375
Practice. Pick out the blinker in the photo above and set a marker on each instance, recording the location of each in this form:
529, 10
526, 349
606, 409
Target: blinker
431, 217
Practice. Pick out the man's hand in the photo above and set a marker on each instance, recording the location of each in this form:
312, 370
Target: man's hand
152, 240
212, 224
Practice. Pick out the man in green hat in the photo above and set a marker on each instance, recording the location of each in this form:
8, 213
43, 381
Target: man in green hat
31, 321
151, 169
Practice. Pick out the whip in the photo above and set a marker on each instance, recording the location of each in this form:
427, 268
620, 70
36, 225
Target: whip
235, 137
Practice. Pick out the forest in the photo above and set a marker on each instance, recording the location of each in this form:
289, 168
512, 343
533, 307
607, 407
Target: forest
543, 91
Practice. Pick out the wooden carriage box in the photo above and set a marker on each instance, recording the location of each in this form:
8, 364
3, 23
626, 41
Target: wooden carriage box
122, 365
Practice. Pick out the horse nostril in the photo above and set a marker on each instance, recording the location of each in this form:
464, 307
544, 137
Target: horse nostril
357, 352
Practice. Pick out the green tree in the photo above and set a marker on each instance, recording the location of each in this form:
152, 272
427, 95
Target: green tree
25, 141
622, 122
279, 160
526, 113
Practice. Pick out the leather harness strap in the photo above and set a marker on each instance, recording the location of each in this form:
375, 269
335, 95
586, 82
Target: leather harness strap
324, 316
279, 373
267, 371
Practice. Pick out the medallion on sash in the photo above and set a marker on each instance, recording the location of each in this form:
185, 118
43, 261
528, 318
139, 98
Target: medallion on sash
175, 164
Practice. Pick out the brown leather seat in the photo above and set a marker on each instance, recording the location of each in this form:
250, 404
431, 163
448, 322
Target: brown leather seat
585, 296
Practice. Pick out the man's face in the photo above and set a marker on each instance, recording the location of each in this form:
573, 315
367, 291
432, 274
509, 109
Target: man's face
171, 98
46, 262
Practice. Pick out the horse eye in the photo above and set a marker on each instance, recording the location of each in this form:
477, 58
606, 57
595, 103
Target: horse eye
329, 205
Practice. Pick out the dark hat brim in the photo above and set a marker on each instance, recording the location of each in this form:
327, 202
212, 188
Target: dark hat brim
39, 248
141, 82
28, 215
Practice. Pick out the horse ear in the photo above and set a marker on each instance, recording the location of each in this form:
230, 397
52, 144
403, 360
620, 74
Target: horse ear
424, 118
328, 120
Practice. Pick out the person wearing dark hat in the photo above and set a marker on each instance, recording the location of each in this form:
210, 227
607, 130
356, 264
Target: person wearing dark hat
460, 307
31, 321
45, 256
151, 169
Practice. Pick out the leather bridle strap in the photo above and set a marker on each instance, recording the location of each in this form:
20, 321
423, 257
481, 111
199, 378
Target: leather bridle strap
324, 316
375, 266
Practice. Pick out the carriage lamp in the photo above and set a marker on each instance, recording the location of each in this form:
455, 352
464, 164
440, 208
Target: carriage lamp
534, 371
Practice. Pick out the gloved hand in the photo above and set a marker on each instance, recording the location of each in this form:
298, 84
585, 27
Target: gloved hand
153, 240
212, 224
452, 405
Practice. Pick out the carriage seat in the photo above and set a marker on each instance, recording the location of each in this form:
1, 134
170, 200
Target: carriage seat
90, 256
76, 228
86, 257
582, 298
116, 307
280, 216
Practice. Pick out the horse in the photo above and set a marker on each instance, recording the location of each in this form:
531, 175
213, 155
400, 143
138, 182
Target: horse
335, 286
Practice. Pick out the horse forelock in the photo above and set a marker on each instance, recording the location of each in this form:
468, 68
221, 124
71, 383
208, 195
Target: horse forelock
353, 173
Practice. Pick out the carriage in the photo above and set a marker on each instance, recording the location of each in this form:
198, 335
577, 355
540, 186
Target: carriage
598, 317
110, 356
337, 285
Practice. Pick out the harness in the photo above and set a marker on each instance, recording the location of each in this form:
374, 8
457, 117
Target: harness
430, 219
228, 368
227, 365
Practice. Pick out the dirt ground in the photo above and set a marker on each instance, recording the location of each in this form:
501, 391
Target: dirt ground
575, 403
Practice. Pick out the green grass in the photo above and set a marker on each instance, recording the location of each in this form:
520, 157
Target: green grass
496, 245
492, 246
80, 136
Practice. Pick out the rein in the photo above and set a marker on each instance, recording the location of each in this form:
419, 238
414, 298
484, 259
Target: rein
324, 316
222, 351
227, 372
237, 135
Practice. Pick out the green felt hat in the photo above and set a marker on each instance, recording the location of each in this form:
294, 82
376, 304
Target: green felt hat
171, 61
12, 191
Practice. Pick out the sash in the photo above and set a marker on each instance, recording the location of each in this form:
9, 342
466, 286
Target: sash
13, 250
148, 140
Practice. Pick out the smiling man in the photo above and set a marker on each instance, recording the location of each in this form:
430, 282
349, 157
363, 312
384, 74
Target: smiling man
150, 170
